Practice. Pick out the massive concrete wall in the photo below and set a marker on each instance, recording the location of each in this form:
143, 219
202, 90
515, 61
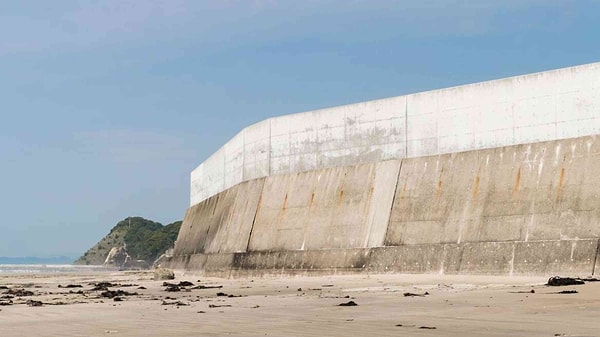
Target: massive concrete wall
523, 209
551, 105
539, 191
343, 207
222, 223
348, 135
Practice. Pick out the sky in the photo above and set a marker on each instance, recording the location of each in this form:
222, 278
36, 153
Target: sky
107, 106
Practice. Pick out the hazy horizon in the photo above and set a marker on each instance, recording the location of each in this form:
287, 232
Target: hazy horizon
108, 106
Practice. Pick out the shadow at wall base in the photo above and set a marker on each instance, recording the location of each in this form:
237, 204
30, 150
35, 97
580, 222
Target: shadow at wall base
540, 258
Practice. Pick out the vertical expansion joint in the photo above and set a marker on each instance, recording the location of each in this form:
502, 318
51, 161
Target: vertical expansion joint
393, 202
596, 258
262, 187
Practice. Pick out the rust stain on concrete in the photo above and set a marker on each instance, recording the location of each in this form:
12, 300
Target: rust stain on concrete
403, 194
517, 182
561, 182
284, 202
476, 186
439, 184
341, 196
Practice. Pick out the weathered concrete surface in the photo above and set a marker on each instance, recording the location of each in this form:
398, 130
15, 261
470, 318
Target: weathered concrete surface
540, 191
548, 258
524, 209
221, 224
342, 207
557, 104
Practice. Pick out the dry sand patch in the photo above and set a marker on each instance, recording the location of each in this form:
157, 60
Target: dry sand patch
132, 304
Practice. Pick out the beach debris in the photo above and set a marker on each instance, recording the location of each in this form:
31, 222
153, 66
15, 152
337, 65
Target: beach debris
416, 295
557, 281
6, 303
186, 284
71, 286
116, 293
177, 303
3, 287
177, 286
219, 306
102, 286
142, 288
19, 292
118, 299
427, 327
220, 294
207, 287
172, 288
327, 285
348, 304
568, 292
34, 303
590, 279
163, 274
180, 284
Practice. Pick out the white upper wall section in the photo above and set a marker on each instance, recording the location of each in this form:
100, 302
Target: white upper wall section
550, 105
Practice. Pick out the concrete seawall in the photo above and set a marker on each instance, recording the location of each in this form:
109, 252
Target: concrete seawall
522, 209
551, 105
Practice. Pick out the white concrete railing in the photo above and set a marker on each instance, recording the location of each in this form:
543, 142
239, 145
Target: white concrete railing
557, 104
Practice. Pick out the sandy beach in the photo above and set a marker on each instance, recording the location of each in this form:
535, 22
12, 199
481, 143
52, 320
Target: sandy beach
438, 305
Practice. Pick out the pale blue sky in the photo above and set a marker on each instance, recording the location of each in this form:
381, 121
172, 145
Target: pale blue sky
106, 106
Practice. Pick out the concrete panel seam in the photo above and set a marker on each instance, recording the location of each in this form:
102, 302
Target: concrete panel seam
393, 201
255, 213
596, 258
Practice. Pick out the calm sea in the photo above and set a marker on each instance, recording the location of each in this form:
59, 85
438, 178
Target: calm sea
48, 268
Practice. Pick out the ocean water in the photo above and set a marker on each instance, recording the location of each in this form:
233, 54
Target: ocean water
48, 269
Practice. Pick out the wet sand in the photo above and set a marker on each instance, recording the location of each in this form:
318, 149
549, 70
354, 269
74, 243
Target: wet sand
297, 306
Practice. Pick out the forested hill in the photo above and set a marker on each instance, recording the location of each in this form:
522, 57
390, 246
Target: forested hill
144, 240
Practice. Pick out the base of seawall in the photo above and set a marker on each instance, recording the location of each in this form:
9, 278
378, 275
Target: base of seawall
541, 258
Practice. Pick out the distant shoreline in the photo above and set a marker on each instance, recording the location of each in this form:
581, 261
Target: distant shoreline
44, 268
37, 260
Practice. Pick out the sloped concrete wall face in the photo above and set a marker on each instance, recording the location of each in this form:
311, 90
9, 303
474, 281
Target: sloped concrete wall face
342, 207
524, 209
545, 106
541, 191
222, 223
